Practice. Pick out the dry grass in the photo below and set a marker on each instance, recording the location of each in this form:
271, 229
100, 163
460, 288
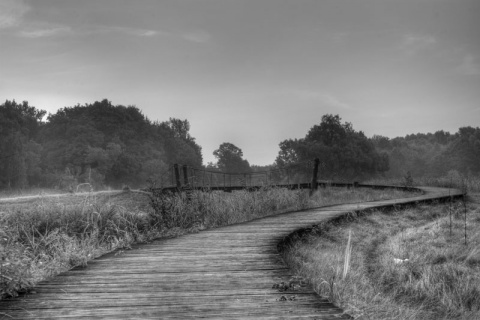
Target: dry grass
42, 237
402, 265
453, 179
213, 209
29, 192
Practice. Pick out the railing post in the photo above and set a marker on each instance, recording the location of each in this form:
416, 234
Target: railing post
177, 175
185, 175
204, 173
314, 184
187, 186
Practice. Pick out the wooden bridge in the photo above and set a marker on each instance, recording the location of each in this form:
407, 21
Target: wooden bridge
233, 272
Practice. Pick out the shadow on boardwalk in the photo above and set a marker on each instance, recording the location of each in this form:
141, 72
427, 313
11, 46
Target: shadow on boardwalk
233, 272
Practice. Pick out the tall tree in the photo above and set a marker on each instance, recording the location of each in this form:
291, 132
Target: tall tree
113, 145
343, 152
179, 144
289, 153
230, 159
19, 125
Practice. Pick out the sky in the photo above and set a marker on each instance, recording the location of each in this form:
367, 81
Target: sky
250, 72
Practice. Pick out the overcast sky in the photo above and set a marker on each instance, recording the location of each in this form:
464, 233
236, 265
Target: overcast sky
251, 72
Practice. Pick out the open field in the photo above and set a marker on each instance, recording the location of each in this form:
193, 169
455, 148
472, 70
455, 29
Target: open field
42, 237
453, 179
404, 264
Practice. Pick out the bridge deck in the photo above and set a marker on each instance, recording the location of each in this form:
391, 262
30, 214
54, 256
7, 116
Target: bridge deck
224, 273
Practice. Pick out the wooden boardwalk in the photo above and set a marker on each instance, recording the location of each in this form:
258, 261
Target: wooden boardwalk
231, 272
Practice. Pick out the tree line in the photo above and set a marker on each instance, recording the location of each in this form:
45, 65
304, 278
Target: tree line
344, 153
433, 154
107, 145
349, 154
98, 143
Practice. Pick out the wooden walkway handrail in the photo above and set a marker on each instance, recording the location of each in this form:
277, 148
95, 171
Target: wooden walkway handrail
233, 272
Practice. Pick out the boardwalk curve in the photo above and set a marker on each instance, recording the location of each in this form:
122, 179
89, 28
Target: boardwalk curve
231, 272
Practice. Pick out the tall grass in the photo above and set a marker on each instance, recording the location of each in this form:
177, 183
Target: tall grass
213, 209
452, 179
42, 238
403, 264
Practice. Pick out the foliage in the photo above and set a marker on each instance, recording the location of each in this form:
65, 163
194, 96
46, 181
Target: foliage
106, 145
19, 153
230, 159
99, 143
343, 152
433, 155
408, 180
346, 153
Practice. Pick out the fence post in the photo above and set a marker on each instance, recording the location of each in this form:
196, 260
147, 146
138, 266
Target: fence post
314, 184
204, 173
185, 175
177, 175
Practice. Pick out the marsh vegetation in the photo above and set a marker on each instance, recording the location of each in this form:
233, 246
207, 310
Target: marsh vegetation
419, 263
43, 237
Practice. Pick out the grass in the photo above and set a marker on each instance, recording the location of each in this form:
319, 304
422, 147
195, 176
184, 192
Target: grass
397, 264
453, 179
214, 209
42, 237
29, 192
